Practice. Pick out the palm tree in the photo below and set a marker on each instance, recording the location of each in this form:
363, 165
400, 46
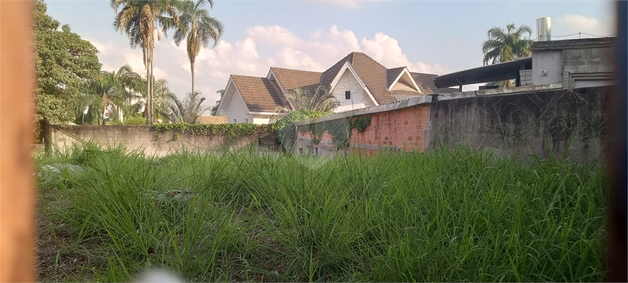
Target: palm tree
162, 96
509, 45
138, 19
322, 100
114, 88
505, 46
198, 28
188, 110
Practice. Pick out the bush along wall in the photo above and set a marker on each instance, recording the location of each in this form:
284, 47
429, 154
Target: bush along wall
231, 131
285, 130
340, 129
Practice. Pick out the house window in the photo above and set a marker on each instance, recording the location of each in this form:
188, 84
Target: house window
347, 94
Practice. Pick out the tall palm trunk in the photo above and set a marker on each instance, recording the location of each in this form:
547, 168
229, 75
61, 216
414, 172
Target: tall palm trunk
147, 113
192, 69
152, 88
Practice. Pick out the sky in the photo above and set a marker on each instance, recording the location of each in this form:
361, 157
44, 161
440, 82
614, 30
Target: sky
435, 37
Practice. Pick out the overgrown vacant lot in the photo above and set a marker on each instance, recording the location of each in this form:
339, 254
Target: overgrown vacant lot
442, 216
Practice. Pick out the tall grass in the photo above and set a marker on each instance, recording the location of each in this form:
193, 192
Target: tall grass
457, 215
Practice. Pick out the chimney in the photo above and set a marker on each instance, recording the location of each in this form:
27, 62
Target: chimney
544, 29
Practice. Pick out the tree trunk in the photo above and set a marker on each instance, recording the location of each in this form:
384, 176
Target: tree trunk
104, 107
148, 84
146, 111
192, 69
152, 88
46, 132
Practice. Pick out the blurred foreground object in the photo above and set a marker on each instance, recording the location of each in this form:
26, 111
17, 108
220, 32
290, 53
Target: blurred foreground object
17, 228
158, 275
616, 156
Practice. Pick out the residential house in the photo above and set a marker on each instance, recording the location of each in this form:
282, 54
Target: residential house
357, 81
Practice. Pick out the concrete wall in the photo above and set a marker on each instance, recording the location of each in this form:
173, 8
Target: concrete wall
153, 143
587, 67
532, 122
547, 67
527, 123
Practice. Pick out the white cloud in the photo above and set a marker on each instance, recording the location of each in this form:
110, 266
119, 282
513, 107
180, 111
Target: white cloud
573, 23
274, 35
281, 48
386, 50
351, 4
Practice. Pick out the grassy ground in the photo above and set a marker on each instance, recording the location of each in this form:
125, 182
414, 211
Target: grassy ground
441, 216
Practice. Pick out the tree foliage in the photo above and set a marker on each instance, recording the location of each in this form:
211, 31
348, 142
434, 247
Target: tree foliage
285, 130
139, 20
507, 45
215, 107
197, 28
117, 90
321, 100
64, 63
187, 110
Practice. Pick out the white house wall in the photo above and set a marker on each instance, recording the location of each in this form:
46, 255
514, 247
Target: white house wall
403, 85
359, 97
237, 112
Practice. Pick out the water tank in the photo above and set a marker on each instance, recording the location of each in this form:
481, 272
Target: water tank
544, 29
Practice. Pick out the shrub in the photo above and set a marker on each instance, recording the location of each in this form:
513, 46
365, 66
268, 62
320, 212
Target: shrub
285, 131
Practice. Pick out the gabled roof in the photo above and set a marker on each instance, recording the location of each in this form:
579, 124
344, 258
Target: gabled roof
372, 73
259, 94
264, 95
426, 83
291, 79
393, 74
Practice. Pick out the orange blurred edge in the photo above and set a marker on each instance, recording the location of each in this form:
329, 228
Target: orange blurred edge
17, 195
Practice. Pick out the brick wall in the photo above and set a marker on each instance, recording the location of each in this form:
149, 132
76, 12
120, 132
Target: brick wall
403, 129
397, 130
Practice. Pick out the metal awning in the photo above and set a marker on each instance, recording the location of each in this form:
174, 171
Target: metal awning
485, 74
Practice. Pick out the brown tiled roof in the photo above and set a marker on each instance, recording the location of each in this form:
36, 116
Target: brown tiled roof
259, 93
263, 95
426, 84
291, 79
393, 74
372, 73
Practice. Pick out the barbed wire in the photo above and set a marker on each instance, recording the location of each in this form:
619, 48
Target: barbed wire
579, 34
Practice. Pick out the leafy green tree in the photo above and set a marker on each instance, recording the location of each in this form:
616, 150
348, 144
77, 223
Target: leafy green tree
197, 28
64, 63
321, 100
188, 110
139, 20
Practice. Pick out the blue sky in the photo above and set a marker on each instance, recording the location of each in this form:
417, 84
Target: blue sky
427, 36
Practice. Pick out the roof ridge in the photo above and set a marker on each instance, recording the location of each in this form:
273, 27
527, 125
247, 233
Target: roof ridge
423, 73
234, 75
401, 67
295, 70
